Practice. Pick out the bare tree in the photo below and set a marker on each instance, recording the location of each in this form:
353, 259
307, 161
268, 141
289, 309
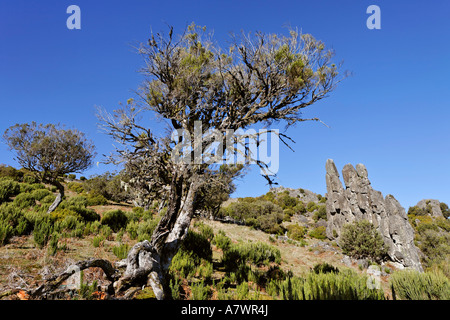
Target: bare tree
49, 152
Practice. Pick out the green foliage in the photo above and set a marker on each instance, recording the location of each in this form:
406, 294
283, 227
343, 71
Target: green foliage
121, 251
415, 210
318, 233
221, 241
97, 241
53, 243
75, 187
321, 213
94, 199
311, 206
200, 291
413, 285
115, 219
343, 285
361, 239
296, 232
257, 253
324, 267
445, 210
8, 188
24, 200
40, 194
198, 245
43, 228
6, 232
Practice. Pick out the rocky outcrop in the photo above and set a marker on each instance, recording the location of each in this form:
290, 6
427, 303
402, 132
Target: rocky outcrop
359, 201
431, 207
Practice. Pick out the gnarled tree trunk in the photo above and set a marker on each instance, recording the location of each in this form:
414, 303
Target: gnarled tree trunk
148, 262
59, 197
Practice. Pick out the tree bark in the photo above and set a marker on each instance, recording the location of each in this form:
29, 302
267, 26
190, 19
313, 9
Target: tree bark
59, 197
148, 262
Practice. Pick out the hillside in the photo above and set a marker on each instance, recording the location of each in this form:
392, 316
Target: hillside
279, 244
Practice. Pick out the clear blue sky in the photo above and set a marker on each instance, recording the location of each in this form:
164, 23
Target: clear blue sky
392, 114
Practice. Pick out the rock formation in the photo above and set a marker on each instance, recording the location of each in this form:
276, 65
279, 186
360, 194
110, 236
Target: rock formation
431, 207
358, 201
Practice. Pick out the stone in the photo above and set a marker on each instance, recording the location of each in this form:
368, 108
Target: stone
359, 201
431, 206
347, 261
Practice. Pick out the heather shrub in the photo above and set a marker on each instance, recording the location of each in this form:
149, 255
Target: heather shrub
115, 219
318, 233
361, 239
296, 232
413, 285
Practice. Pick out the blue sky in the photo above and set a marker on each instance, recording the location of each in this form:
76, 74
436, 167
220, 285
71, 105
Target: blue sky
392, 114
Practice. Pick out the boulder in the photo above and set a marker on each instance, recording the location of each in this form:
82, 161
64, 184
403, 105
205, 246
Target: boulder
359, 201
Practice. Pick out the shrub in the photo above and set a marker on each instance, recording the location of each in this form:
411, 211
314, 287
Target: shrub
97, 241
42, 231
75, 187
115, 219
318, 233
206, 231
415, 210
324, 267
40, 194
48, 199
24, 200
321, 213
53, 244
6, 232
96, 200
14, 217
296, 232
361, 239
132, 229
311, 206
257, 253
198, 244
145, 229
413, 285
8, 188
200, 291
221, 241
121, 251
300, 207
344, 285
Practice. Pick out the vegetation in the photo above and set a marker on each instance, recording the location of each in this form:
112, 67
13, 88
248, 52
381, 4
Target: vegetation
49, 152
413, 285
361, 239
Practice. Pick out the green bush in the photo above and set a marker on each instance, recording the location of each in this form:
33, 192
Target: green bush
97, 241
200, 291
344, 285
324, 267
42, 231
321, 213
75, 187
121, 251
311, 206
96, 200
8, 188
361, 239
40, 194
14, 217
198, 244
24, 200
48, 199
257, 253
6, 232
318, 233
221, 241
413, 285
145, 229
296, 232
53, 243
115, 219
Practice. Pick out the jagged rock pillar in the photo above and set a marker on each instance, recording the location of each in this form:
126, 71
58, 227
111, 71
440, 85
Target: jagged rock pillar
359, 201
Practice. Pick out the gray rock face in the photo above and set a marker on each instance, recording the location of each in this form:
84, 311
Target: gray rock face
431, 206
358, 201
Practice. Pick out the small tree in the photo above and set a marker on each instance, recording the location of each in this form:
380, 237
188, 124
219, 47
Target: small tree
361, 239
49, 152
